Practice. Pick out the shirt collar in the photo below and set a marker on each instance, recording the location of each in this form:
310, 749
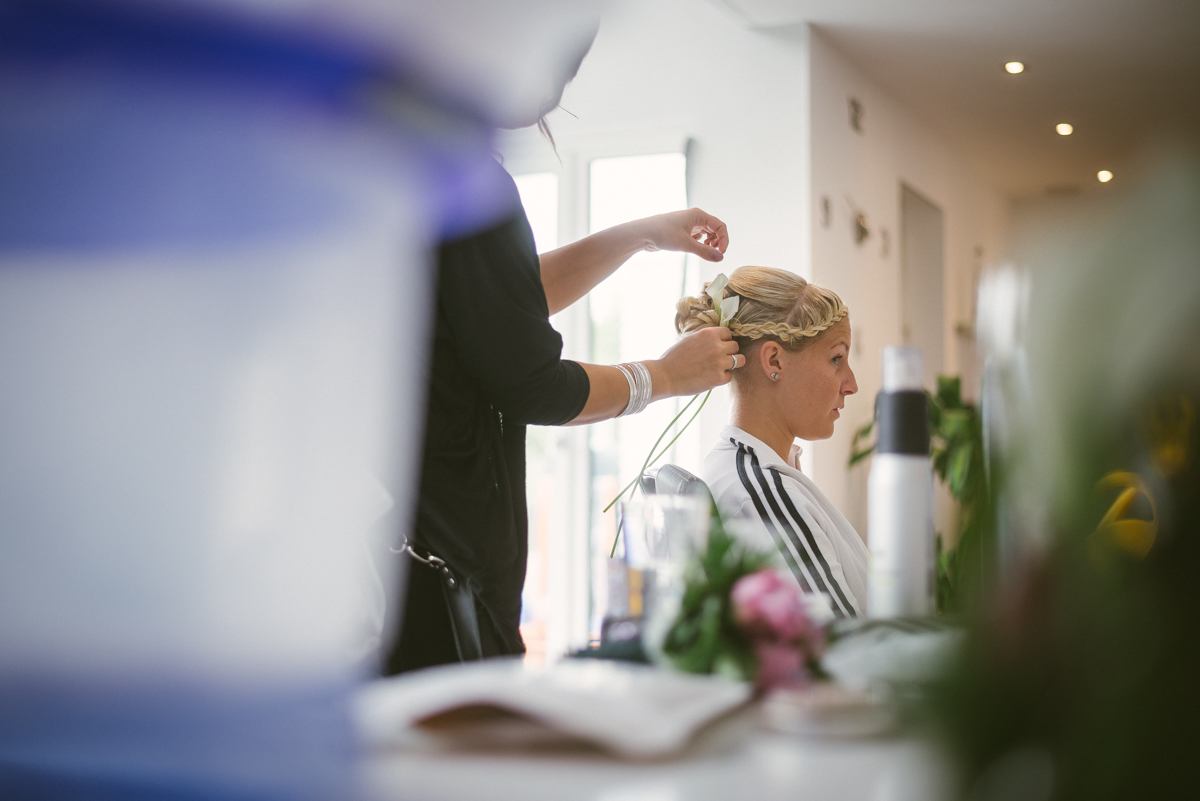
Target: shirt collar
766, 454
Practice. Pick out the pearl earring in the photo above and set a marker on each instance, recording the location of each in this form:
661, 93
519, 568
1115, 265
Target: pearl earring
774, 376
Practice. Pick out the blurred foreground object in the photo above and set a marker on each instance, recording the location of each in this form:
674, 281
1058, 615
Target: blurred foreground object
629, 710
215, 230
737, 617
1079, 679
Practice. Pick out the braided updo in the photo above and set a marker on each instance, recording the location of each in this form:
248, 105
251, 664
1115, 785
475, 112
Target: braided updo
775, 304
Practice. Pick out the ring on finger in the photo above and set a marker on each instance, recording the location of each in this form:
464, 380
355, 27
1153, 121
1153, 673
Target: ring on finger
735, 363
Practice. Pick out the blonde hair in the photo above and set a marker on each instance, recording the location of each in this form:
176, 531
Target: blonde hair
774, 303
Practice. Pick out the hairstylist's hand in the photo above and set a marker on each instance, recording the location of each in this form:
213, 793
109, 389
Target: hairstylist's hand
691, 231
698, 361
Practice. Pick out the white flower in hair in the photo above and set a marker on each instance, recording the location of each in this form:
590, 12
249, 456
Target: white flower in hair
729, 307
725, 307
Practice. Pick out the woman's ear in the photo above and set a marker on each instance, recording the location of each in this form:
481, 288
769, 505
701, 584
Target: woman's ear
770, 359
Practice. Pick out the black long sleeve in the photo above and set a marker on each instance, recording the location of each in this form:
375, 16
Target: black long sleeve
496, 367
494, 307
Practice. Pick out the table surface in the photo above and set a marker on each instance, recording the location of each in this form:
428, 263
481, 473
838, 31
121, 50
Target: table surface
733, 759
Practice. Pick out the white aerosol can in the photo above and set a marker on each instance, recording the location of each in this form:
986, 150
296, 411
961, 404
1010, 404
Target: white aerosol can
900, 494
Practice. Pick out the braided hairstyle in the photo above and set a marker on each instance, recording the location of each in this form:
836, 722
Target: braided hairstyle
775, 304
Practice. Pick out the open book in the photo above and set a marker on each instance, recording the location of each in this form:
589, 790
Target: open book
630, 710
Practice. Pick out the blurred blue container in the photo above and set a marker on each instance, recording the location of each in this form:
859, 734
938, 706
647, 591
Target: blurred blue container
215, 285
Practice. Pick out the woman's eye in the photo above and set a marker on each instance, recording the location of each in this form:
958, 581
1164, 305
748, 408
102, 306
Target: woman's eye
837, 359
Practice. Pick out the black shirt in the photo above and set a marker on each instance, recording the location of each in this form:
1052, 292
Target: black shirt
496, 368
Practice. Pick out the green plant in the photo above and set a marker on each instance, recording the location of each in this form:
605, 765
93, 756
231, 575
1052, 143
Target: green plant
956, 449
704, 637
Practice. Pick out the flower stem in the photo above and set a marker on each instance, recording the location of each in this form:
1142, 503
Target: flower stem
651, 458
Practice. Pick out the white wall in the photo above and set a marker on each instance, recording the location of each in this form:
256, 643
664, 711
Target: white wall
667, 70
867, 169
769, 118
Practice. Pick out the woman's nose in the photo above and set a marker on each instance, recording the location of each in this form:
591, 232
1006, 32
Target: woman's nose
850, 386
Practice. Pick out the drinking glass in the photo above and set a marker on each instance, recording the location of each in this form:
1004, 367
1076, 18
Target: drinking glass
661, 533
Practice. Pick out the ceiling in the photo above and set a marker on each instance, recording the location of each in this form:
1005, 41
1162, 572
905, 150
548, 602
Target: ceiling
1125, 73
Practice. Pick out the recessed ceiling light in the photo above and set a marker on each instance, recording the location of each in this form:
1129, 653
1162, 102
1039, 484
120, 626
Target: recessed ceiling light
1105, 176
1013, 67
1064, 128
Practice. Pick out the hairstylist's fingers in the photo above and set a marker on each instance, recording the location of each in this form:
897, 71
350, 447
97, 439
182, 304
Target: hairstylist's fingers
706, 252
700, 360
709, 245
689, 231
711, 230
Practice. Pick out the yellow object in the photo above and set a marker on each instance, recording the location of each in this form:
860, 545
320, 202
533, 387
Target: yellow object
1131, 535
1170, 430
636, 593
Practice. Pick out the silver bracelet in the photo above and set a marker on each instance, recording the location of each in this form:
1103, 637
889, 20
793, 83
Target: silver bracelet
640, 387
645, 387
632, 389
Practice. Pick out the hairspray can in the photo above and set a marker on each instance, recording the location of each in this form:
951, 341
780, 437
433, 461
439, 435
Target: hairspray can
900, 494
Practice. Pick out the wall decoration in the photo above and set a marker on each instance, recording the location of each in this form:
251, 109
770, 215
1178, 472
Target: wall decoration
857, 112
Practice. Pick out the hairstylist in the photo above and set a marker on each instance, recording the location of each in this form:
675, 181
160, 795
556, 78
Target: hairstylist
496, 368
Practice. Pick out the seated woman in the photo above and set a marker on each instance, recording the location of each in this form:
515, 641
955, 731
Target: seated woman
796, 340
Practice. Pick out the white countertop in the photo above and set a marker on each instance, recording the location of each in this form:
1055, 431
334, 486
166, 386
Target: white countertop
732, 759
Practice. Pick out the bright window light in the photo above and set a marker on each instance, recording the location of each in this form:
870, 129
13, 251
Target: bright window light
633, 319
630, 317
1014, 67
543, 624
1064, 128
539, 196
1104, 176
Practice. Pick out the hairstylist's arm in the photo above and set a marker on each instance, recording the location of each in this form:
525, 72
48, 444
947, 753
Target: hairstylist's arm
570, 272
699, 361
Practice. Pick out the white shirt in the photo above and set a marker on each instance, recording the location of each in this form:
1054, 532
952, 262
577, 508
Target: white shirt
773, 507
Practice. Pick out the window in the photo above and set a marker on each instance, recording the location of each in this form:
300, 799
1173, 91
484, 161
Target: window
632, 318
573, 472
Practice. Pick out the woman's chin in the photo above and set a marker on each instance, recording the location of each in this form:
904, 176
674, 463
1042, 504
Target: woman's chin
824, 432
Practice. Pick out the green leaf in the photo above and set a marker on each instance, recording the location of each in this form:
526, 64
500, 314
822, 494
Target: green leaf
956, 423
960, 465
857, 454
704, 637
949, 391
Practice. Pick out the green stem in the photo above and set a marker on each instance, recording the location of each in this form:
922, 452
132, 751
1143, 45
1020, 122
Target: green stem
649, 455
652, 458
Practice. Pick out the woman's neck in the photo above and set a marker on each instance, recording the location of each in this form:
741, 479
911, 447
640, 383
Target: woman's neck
762, 426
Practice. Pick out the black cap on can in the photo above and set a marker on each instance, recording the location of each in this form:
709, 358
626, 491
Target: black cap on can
903, 420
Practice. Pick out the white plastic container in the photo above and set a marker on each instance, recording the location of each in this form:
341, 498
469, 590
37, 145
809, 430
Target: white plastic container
217, 223
215, 294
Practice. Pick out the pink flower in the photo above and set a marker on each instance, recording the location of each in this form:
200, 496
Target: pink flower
779, 665
766, 606
771, 613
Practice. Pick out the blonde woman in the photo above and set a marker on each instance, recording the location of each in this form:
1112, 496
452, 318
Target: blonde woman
796, 340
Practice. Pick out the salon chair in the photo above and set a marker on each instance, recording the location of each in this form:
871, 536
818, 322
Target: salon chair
672, 479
